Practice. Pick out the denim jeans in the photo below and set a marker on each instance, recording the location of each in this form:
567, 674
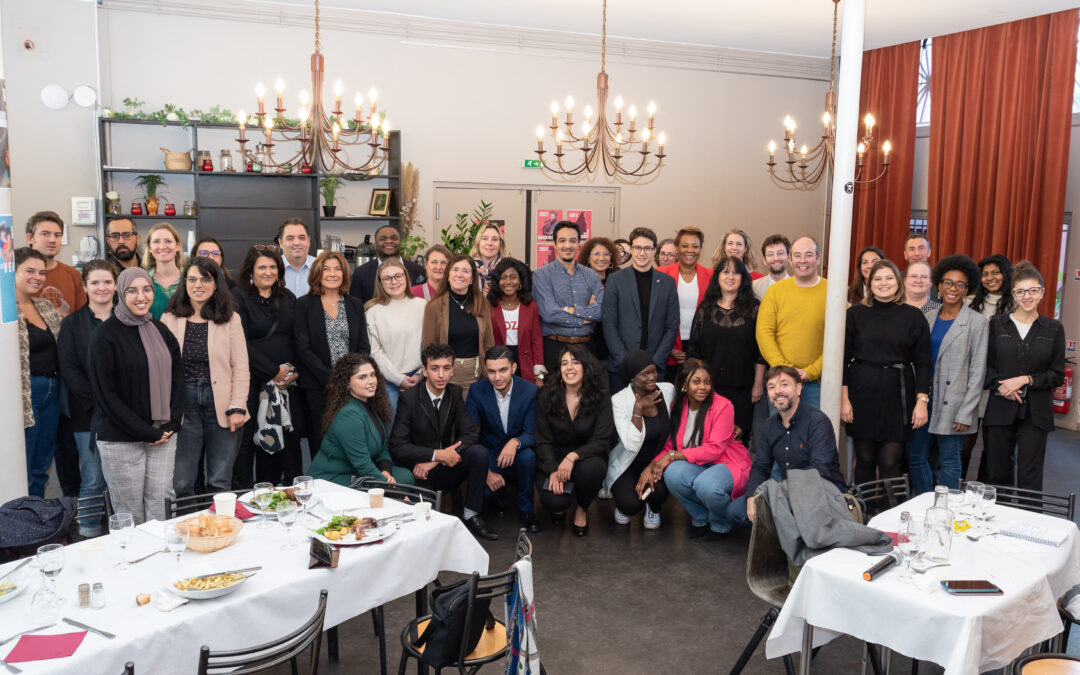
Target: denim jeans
949, 447
41, 438
704, 491
393, 392
918, 457
737, 510
93, 480
200, 431
522, 473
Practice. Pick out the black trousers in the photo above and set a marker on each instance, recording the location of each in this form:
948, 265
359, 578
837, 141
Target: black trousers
279, 468
472, 470
553, 349
623, 490
67, 459
587, 475
313, 404
1020, 442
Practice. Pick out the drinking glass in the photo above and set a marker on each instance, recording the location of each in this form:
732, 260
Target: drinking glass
176, 539
956, 500
264, 493
908, 540
989, 498
286, 515
122, 526
973, 497
45, 602
304, 490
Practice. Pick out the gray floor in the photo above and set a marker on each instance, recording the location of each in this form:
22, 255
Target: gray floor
627, 600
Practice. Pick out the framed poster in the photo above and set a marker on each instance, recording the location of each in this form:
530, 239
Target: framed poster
545, 223
583, 219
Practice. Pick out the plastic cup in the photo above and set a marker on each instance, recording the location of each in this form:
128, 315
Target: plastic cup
423, 511
225, 504
375, 498
92, 555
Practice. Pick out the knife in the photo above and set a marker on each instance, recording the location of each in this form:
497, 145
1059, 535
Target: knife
241, 571
89, 628
15, 569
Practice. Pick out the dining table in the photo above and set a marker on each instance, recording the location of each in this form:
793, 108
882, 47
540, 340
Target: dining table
280, 597
919, 618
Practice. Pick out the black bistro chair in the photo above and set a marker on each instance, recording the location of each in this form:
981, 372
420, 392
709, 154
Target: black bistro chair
1059, 506
882, 494
94, 507
1047, 664
182, 506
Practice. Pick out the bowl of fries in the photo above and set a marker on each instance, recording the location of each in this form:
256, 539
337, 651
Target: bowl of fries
209, 533
207, 586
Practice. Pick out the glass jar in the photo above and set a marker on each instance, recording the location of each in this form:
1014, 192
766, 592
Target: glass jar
937, 541
136, 209
113, 207
226, 161
170, 209
189, 208
205, 162
260, 159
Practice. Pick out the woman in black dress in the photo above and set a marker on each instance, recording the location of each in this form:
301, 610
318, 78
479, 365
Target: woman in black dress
722, 336
886, 375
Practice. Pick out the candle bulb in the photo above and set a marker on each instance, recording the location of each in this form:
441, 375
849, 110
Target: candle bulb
269, 127
303, 122
279, 87
558, 142
569, 110
539, 138
372, 96
618, 109
772, 150
868, 121
241, 119
588, 112
633, 116
802, 151
826, 120
861, 151
359, 109
886, 148
660, 140
645, 135
652, 113
789, 128
338, 90
386, 134
554, 114
336, 129
260, 92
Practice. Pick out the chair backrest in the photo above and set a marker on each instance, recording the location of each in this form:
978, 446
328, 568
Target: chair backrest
264, 657
882, 494
767, 570
1047, 664
400, 492
96, 506
524, 546
1061, 506
182, 506
490, 587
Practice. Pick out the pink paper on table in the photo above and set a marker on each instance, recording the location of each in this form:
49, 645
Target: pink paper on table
241, 511
42, 647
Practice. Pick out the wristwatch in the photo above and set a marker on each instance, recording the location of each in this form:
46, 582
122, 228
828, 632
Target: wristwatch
923, 397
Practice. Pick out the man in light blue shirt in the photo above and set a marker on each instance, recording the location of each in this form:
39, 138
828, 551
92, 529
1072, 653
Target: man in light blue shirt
568, 296
294, 241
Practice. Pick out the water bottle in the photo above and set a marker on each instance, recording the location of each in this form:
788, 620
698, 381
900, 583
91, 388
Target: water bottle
939, 524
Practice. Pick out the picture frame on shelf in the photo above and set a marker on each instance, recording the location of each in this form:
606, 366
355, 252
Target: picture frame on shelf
380, 202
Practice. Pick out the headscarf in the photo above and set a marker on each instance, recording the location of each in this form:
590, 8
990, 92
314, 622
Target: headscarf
635, 362
158, 358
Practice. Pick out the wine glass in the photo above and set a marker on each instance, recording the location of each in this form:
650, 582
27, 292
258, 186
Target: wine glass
45, 603
908, 540
51, 563
122, 526
176, 539
989, 498
973, 494
264, 494
304, 490
286, 515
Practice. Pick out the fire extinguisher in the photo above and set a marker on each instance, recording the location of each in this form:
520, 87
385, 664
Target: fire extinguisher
1063, 394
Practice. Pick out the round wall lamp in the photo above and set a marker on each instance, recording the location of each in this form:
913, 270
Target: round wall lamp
55, 97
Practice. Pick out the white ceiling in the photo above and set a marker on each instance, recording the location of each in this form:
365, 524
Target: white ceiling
784, 26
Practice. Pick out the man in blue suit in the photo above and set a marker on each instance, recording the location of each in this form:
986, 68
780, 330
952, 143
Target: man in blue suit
504, 407
640, 309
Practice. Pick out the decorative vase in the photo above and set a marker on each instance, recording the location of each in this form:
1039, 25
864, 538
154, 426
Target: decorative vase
152, 206
170, 209
329, 211
136, 209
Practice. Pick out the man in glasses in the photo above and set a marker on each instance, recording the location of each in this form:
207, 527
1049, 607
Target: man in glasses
640, 310
122, 243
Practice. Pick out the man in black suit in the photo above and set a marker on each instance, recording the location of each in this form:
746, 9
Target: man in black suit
387, 245
640, 309
435, 437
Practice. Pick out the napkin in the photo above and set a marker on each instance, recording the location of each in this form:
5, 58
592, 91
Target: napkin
41, 647
242, 511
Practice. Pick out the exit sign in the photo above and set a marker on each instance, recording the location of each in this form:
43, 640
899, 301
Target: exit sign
530, 164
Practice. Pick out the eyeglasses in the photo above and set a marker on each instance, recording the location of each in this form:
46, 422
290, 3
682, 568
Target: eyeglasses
949, 283
667, 254
262, 247
600, 254
197, 281
642, 249
393, 278
207, 253
1029, 292
117, 236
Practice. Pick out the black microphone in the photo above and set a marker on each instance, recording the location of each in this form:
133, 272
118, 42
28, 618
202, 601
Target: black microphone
882, 565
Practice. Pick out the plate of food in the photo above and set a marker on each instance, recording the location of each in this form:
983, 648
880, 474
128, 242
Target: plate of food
279, 496
208, 586
13, 586
353, 531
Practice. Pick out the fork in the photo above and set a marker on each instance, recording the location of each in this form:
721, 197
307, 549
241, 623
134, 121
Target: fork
32, 630
148, 555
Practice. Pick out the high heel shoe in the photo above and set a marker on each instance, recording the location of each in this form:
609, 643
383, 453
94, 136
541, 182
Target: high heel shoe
580, 531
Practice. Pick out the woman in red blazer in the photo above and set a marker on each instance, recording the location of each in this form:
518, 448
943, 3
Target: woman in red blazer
691, 279
515, 320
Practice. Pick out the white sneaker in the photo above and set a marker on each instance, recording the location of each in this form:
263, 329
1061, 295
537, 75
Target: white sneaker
604, 493
620, 518
652, 520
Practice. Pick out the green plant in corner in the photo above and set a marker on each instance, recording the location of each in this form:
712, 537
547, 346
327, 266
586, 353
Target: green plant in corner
459, 236
413, 245
150, 183
328, 187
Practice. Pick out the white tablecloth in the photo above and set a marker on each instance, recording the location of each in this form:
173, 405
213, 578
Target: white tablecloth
274, 602
965, 635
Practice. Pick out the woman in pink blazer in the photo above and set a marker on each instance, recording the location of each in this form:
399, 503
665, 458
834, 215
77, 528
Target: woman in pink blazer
214, 353
691, 280
703, 464
515, 320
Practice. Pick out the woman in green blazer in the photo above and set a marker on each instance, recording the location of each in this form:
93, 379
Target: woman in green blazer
356, 426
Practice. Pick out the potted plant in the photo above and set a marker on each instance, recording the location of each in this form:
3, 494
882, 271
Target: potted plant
459, 237
150, 184
328, 187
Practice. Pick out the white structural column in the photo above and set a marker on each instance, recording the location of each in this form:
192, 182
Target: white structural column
843, 195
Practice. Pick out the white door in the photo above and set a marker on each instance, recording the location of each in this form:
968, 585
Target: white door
595, 210
508, 206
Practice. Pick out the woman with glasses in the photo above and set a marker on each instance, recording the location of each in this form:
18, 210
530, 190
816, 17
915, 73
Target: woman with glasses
917, 284
435, 262
487, 250
267, 311
667, 252
691, 279
957, 368
395, 324
216, 373
163, 259
460, 317
137, 377
208, 247
515, 320
1025, 361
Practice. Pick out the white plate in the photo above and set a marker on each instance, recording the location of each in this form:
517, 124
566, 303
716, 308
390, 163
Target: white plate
338, 502
370, 537
206, 595
21, 580
248, 498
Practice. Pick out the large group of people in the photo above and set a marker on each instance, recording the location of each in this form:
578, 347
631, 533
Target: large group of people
626, 370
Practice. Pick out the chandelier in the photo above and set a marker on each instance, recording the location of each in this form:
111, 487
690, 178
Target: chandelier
323, 135
619, 147
806, 166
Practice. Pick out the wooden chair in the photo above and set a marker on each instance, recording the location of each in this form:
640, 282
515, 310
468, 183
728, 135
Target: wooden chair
182, 506
494, 641
264, 657
1059, 506
97, 507
1047, 664
882, 494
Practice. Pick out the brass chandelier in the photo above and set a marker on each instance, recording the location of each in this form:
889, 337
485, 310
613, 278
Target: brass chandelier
806, 166
323, 134
620, 148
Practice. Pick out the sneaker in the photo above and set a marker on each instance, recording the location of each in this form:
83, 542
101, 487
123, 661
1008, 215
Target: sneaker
604, 493
652, 520
620, 518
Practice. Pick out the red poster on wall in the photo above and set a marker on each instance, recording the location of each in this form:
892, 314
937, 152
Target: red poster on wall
545, 223
583, 219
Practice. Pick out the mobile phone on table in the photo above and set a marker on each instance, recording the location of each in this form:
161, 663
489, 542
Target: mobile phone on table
970, 587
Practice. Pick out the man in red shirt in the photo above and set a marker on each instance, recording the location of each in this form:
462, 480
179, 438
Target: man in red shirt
63, 283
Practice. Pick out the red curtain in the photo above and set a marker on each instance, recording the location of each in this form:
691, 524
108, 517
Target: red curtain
1001, 114
882, 210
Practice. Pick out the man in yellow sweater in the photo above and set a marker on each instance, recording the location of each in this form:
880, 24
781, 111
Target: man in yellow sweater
791, 319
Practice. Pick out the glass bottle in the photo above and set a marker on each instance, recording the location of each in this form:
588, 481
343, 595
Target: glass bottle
937, 542
260, 158
226, 161
189, 208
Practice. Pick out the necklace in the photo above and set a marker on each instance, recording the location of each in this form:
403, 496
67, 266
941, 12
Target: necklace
506, 305
459, 304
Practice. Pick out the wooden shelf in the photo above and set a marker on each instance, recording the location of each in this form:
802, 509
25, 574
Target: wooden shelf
360, 218
160, 216
112, 170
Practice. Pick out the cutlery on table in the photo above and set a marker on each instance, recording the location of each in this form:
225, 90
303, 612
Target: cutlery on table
75, 623
977, 536
15, 569
921, 569
148, 555
11, 668
32, 630
243, 571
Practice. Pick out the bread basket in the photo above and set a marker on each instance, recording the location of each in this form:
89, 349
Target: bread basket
209, 544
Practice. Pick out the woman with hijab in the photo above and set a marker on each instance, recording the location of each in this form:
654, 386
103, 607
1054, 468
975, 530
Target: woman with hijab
137, 376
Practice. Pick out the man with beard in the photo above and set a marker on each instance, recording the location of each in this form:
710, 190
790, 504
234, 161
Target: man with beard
796, 437
774, 251
387, 245
122, 242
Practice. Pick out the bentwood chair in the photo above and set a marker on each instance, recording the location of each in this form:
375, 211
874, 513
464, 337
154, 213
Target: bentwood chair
882, 494
264, 657
182, 506
1047, 664
94, 508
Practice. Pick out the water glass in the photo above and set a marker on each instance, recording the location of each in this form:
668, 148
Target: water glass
176, 539
304, 490
989, 498
51, 563
973, 497
956, 500
263, 494
908, 540
122, 526
286, 515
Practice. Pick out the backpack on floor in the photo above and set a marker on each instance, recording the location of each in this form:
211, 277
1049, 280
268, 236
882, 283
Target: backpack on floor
442, 637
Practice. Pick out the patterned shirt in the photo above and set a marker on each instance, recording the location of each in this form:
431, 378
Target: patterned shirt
337, 332
554, 288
